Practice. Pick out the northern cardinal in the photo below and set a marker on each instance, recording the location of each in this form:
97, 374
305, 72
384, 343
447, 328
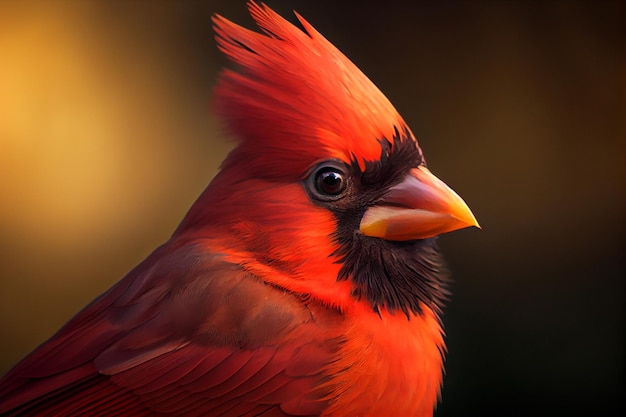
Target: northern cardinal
304, 281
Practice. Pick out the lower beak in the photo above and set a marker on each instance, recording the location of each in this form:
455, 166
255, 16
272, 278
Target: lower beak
421, 206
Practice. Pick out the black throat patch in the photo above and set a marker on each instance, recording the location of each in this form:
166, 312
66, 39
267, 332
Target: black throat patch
397, 276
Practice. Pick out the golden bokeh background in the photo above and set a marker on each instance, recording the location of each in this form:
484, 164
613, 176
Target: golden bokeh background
107, 137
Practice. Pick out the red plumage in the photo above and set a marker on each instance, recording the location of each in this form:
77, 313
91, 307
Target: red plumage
250, 308
159, 343
296, 94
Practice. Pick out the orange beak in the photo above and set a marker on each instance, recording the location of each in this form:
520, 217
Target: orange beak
421, 206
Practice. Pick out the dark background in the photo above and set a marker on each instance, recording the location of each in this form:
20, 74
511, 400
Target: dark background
106, 139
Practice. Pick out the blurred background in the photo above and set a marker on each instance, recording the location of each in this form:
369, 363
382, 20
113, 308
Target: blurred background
106, 139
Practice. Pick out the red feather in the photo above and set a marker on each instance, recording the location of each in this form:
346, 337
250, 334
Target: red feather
180, 346
297, 95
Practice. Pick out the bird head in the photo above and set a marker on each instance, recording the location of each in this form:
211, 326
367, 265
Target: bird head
327, 193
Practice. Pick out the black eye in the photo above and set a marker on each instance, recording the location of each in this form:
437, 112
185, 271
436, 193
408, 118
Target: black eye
330, 181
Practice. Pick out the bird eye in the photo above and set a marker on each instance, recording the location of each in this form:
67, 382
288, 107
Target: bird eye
330, 181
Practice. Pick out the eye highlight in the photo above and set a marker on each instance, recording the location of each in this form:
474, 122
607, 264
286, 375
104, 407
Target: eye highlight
328, 181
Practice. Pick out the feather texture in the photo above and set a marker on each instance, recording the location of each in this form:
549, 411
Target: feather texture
296, 94
208, 340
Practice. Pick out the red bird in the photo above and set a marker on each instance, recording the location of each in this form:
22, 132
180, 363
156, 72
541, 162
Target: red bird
305, 281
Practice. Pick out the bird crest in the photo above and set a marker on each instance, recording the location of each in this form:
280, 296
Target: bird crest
296, 94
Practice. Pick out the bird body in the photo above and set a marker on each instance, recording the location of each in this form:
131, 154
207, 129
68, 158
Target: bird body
304, 281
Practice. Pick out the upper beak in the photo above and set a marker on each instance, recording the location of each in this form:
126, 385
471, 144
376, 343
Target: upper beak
421, 206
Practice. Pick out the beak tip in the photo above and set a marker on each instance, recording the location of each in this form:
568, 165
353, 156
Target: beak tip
471, 221
475, 223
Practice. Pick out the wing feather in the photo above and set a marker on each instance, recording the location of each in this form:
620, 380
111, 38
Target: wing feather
163, 341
